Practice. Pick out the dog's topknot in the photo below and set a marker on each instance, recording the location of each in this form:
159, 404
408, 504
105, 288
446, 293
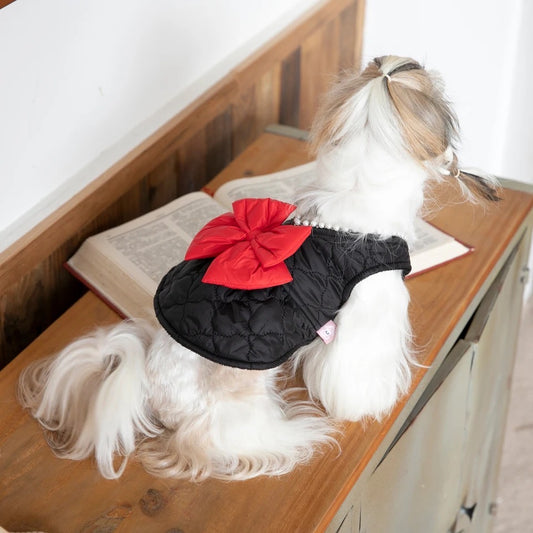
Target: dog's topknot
397, 101
425, 117
399, 104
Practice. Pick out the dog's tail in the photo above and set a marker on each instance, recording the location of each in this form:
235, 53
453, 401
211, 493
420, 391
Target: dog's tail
92, 397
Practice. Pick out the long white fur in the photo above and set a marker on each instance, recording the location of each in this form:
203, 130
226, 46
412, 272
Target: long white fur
366, 368
95, 394
362, 373
130, 385
369, 181
237, 424
109, 391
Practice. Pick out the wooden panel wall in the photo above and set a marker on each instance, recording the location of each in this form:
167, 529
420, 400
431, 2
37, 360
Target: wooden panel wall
281, 83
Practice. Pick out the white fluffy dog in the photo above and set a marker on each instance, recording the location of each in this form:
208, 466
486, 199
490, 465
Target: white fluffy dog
379, 136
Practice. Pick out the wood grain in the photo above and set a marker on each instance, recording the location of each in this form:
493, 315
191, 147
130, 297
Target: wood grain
269, 153
4, 3
218, 134
314, 69
185, 153
289, 112
41, 492
192, 163
350, 23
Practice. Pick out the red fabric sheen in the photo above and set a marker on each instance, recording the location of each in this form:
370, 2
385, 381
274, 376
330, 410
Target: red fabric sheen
250, 246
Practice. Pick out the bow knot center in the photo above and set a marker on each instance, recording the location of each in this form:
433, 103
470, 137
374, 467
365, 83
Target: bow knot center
251, 235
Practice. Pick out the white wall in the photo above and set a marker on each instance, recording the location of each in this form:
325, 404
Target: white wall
83, 82
518, 149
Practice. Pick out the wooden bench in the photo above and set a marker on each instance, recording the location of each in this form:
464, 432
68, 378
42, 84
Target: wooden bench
453, 310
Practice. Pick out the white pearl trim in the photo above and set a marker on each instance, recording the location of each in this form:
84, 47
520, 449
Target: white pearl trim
316, 223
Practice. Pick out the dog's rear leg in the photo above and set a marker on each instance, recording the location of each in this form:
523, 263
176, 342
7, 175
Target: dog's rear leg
225, 422
258, 431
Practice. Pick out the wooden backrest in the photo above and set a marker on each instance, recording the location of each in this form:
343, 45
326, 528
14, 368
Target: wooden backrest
280, 83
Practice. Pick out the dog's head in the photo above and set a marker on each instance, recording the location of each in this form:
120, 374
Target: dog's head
397, 104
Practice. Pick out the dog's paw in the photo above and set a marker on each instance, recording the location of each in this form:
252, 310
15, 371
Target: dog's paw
364, 395
354, 385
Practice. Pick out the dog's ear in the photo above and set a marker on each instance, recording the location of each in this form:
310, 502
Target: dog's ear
429, 125
484, 187
474, 183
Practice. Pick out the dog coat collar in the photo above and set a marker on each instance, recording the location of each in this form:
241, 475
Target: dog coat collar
261, 328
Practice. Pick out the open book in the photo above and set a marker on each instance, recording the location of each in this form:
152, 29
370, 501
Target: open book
124, 265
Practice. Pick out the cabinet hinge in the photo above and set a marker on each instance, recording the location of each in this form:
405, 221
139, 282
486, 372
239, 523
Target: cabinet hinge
524, 275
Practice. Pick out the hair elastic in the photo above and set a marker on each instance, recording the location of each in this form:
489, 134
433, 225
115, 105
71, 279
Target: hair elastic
388, 77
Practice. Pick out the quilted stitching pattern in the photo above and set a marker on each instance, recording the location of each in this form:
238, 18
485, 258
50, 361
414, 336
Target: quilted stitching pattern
259, 329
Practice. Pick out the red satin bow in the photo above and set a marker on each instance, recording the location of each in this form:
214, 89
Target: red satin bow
250, 245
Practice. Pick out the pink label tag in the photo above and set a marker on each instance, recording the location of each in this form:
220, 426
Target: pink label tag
327, 331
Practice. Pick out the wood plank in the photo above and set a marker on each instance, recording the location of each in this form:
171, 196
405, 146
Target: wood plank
219, 142
192, 160
39, 491
358, 41
267, 97
319, 67
347, 38
162, 182
243, 119
262, 157
289, 111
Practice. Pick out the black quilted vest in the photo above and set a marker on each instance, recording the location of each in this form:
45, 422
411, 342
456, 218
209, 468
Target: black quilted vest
261, 328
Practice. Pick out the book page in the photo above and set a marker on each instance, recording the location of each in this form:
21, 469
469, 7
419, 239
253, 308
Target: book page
433, 247
149, 246
428, 237
126, 263
281, 185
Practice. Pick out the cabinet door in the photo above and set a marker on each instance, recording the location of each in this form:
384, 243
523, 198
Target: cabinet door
440, 474
492, 334
416, 487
